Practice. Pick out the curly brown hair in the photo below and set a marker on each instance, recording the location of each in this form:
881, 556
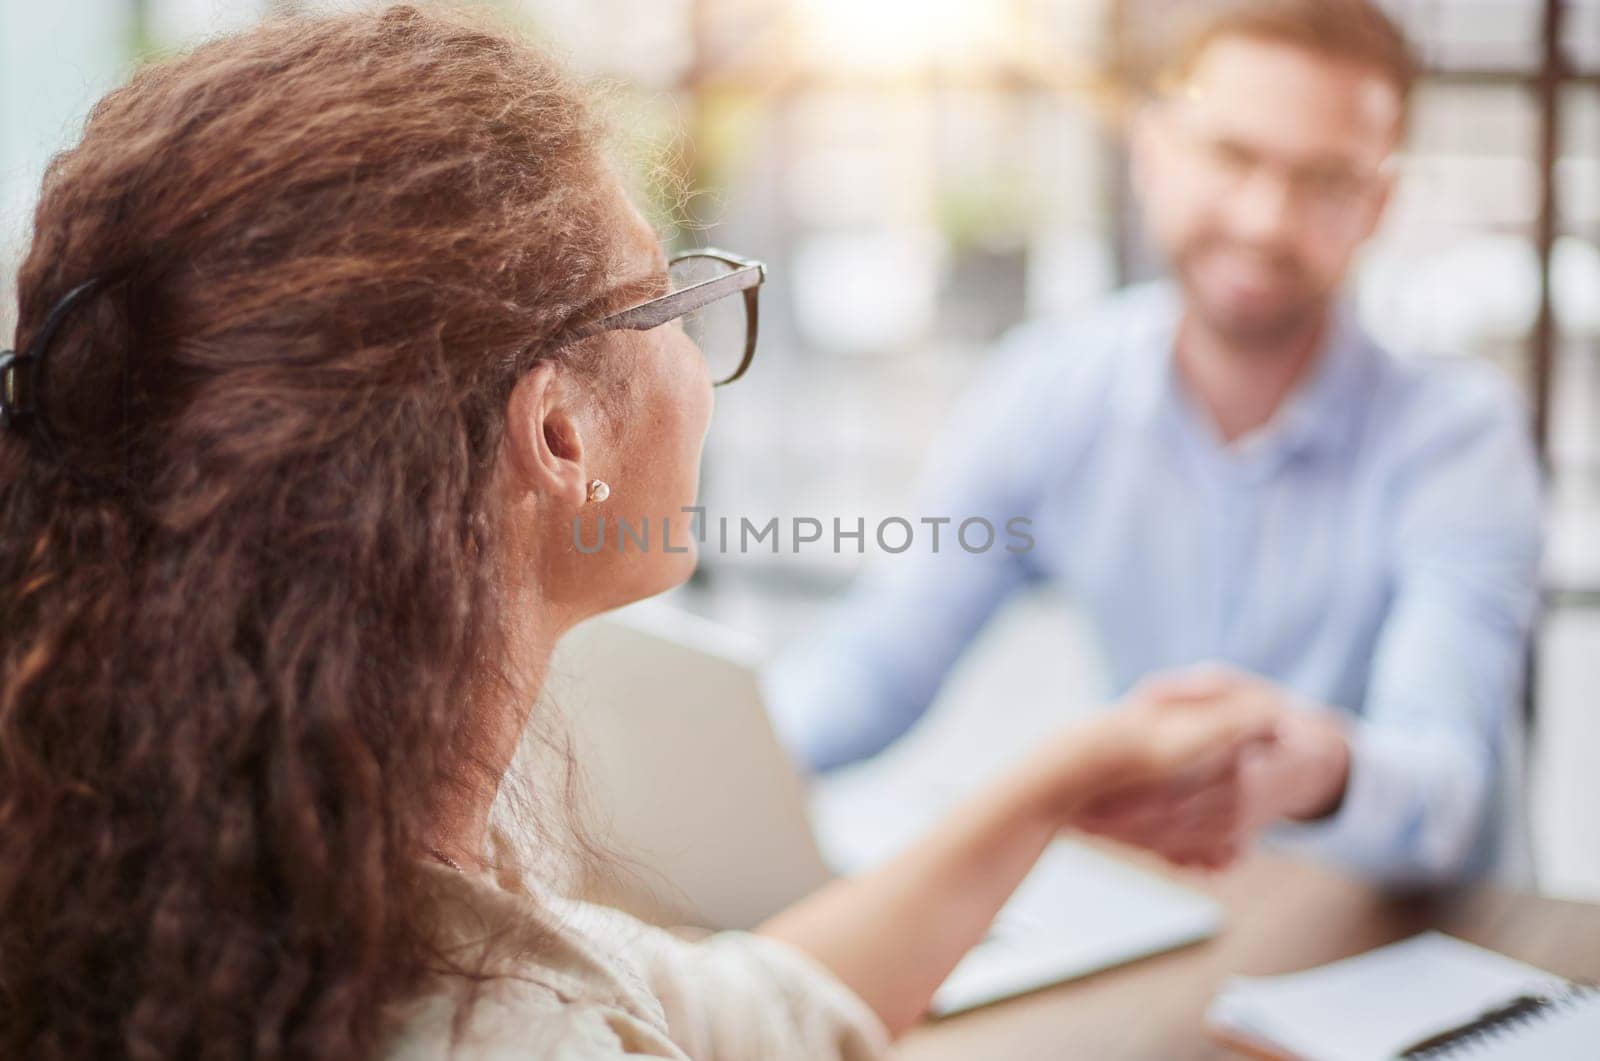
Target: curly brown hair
236, 678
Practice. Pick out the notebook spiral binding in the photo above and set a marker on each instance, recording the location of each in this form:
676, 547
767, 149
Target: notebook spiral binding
1501, 1023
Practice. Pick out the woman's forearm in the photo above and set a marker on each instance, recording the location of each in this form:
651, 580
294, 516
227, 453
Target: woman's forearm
893, 934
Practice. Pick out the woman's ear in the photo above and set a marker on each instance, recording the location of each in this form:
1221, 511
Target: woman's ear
545, 435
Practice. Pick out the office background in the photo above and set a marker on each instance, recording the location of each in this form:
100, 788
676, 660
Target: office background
921, 173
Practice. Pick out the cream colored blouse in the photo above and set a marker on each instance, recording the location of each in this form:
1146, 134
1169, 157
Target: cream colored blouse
575, 982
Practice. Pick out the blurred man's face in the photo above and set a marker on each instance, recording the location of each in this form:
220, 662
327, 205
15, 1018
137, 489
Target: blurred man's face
1261, 175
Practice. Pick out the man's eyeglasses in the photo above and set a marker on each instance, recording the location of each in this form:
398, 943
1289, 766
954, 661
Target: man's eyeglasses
702, 282
1329, 191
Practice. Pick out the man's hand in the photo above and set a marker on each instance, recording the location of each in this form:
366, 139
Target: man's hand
1149, 746
1211, 818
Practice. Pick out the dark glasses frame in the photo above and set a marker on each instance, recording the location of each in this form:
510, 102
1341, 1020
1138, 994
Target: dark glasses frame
747, 277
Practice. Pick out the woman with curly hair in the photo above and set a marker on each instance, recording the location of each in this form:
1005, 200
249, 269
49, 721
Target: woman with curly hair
328, 331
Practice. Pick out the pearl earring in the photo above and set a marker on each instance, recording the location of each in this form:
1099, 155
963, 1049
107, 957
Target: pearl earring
598, 490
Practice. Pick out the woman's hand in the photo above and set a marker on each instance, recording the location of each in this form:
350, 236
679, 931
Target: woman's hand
1212, 819
1146, 742
893, 934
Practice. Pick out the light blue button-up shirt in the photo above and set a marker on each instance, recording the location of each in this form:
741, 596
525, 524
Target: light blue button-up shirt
1374, 549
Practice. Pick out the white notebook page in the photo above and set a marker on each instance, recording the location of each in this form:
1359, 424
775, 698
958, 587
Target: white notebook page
1376, 1004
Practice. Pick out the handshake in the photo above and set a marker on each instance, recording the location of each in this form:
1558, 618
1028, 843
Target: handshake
1194, 764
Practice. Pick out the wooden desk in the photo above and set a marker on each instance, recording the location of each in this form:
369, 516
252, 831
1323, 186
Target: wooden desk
1281, 916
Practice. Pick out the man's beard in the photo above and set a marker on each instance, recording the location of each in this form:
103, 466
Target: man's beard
1265, 329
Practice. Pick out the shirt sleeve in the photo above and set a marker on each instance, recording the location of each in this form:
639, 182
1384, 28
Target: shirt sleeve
738, 995
733, 995
870, 674
524, 1022
596, 984
1442, 706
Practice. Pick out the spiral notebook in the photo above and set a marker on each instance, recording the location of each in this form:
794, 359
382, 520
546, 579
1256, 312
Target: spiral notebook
1429, 998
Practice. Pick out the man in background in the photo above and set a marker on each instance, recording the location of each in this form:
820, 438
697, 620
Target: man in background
1248, 496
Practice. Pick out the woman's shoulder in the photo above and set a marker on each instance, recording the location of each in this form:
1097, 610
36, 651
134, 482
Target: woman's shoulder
570, 979
510, 1017
534, 983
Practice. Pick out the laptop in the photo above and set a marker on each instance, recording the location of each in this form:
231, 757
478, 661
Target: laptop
687, 781
682, 775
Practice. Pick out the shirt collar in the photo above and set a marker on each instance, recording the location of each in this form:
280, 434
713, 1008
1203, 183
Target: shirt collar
1322, 415
1324, 412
